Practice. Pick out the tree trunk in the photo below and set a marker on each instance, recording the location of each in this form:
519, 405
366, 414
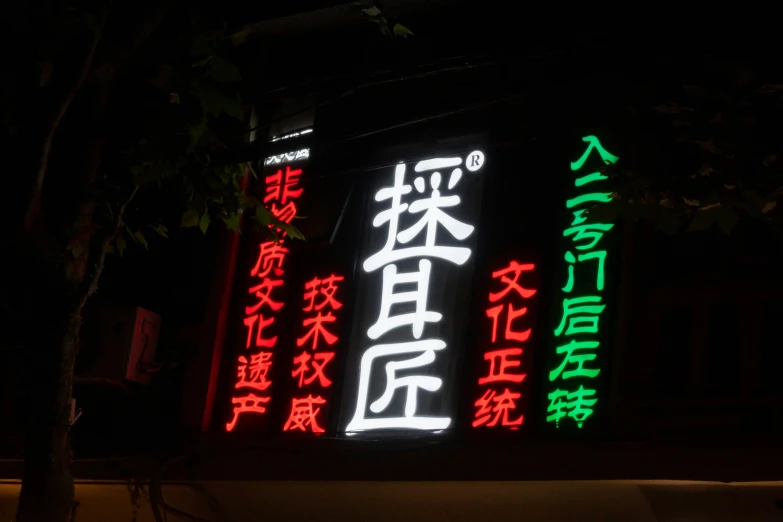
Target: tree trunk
51, 342
47, 483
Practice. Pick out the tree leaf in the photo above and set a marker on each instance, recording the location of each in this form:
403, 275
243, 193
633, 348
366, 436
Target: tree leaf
79, 246
605, 212
203, 224
190, 218
197, 131
217, 183
702, 219
232, 222
239, 37
211, 100
754, 198
727, 219
263, 216
120, 241
202, 62
293, 232
162, 231
246, 202
130, 233
233, 107
222, 71
705, 145
141, 239
668, 222
372, 12
401, 30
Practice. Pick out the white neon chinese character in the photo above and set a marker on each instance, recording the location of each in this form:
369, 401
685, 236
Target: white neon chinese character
288, 156
432, 217
421, 353
419, 316
410, 383
392, 216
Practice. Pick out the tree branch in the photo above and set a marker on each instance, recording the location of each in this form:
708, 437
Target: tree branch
89, 284
34, 203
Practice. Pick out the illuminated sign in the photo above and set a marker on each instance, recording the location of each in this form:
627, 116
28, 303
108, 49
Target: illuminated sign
574, 395
414, 266
312, 369
252, 393
291, 135
288, 157
500, 390
383, 355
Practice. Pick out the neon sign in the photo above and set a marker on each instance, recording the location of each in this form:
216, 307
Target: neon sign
500, 387
403, 343
575, 395
310, 367
254, 366
297, 155
291, 135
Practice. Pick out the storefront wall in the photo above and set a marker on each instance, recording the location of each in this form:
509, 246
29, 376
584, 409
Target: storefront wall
605, 501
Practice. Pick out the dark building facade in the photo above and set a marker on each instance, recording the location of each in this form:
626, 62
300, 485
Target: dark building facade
453, 312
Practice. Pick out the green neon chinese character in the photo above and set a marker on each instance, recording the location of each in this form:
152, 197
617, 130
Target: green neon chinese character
600, 278
599, 197
584, 180
576, 312
556, 406
594, 231
570, 259
579, 218
594, 144
579, 405
578, 360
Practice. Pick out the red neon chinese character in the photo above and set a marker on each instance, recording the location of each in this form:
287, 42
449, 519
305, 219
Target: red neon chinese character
275, 183
318, 329
504, 403
325, 287
499, 362
263, 291
248, 404
319, 363
262, 323
286, 213
511, 283
509, 334
303, 414
253, 374
270, 258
